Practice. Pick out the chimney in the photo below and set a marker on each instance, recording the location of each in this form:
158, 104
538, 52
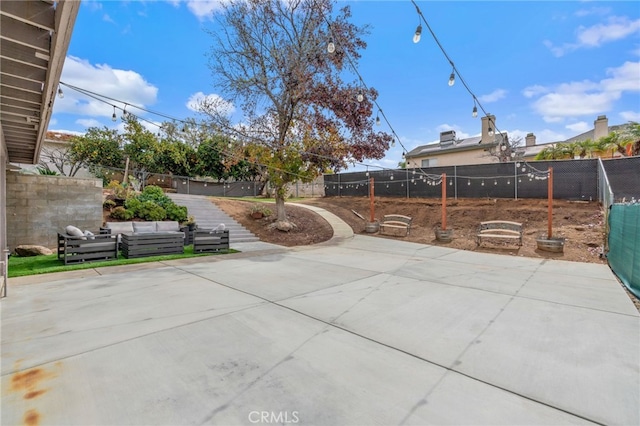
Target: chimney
530, 139
488, 122
447, 138
600, 127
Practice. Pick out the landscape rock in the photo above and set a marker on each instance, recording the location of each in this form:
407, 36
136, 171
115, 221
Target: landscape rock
32, 250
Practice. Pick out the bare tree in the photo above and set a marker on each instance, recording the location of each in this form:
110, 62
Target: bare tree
300, 118
62, 159
506, 149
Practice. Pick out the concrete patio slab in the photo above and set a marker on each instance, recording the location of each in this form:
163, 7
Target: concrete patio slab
580, 360
361, 330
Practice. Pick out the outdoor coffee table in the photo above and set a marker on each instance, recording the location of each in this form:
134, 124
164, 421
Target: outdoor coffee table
143, 244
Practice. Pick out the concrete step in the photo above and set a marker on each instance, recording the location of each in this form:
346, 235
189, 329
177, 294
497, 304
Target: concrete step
209, 216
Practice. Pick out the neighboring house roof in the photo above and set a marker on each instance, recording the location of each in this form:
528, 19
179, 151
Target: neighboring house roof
457, 145
590, 134
58, 137
532, 151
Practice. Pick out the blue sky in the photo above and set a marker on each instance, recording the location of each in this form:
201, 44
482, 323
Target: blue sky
547, 67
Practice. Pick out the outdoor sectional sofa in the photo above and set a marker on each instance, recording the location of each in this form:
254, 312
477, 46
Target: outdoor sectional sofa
139, 239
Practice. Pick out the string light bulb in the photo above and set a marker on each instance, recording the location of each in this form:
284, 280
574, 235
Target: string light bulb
378, 118
452, 79
60, 93
331, 47
474, 113
418, 34
360, 96
113, 116
490, 131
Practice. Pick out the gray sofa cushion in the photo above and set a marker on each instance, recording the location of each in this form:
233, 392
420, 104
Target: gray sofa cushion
144, 227
166, 226
120, 227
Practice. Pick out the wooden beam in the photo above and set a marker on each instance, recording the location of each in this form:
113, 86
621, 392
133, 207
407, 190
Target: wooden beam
36, 13
22, 33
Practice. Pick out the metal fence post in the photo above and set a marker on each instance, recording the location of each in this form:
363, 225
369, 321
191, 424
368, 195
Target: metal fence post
515, 179
455, 182
407, 180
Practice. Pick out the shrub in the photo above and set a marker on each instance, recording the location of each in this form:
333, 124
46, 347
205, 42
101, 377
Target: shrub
260, 208
133, 205
108, 204
119, 191
156, 194
46, 171
151, 211
176, 212
121, 213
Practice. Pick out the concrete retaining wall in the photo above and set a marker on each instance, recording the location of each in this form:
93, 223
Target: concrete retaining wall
39, 206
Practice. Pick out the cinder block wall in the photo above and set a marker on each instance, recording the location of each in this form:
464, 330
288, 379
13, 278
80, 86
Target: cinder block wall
39, 206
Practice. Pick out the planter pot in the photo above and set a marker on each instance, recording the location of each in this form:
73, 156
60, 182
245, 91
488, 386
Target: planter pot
553, 245
444, 235
372, 227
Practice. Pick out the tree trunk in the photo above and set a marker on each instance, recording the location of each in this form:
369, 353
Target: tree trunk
280, 211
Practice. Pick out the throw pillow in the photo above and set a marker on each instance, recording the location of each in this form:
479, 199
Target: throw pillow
73, 231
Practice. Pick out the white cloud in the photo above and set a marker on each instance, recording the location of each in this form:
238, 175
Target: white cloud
535, 90
555, 106
615, 28
125, 85
593, 11
212, 100
630, 115
107, 18
624, 78
494, 96
204, 9
579, 98
579, 127
89, 122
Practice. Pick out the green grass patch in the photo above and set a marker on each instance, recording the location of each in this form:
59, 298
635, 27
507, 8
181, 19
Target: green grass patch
33, 265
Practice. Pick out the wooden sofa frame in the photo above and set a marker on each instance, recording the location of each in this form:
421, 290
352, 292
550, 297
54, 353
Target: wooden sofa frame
73, 249
207, 240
